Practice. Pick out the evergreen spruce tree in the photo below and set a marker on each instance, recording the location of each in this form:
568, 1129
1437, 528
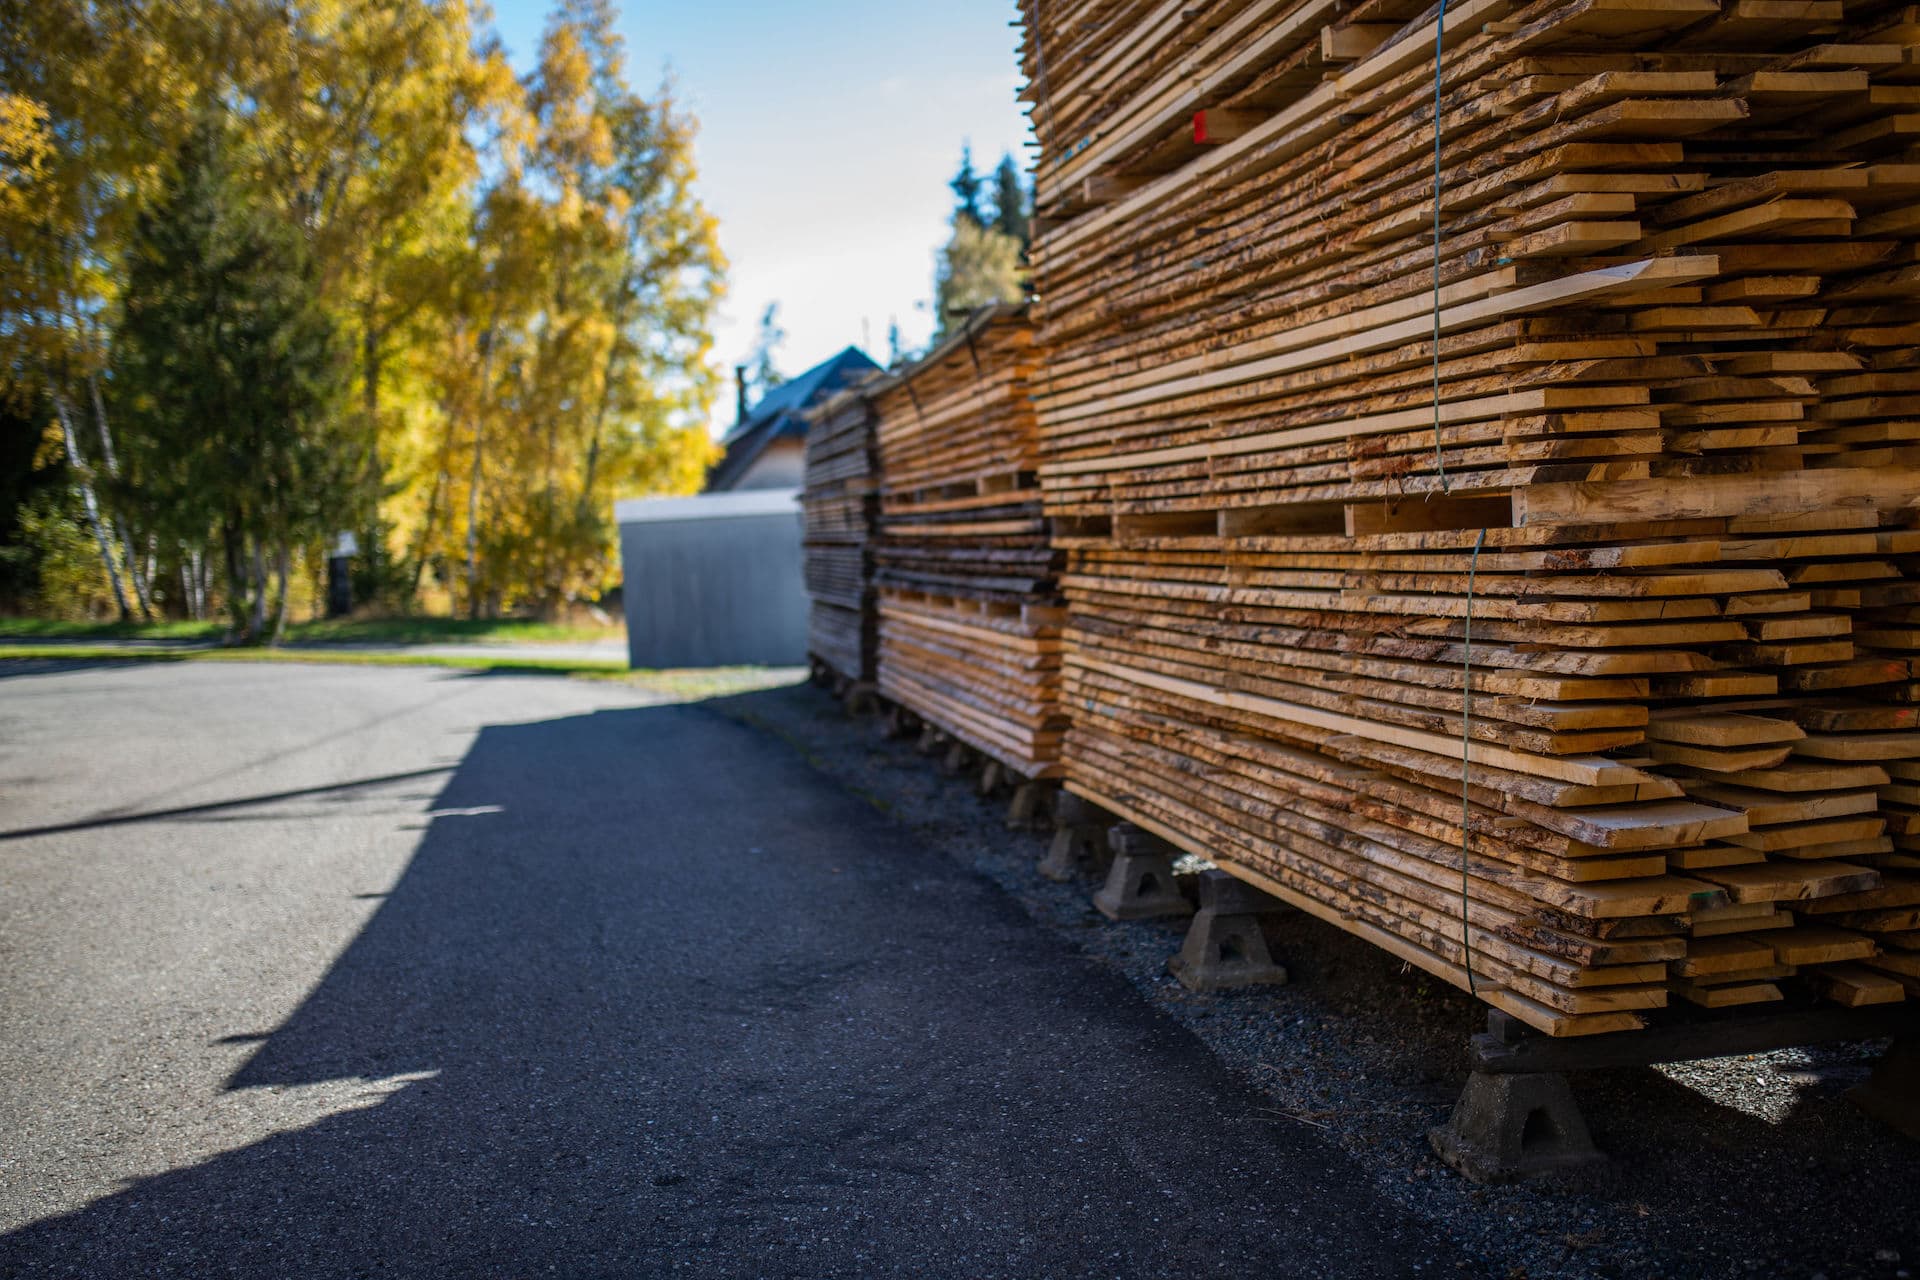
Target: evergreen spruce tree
230, 381
1011, 214
966, 189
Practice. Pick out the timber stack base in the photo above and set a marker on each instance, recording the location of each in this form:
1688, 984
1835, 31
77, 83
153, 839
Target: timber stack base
1079, 839
1226, 945
1517, 1117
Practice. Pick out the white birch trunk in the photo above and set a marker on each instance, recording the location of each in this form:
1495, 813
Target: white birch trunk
257, 616
92, 503
119, 526
283, 569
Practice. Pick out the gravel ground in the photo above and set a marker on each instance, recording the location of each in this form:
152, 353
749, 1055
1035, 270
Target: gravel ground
1749, 1166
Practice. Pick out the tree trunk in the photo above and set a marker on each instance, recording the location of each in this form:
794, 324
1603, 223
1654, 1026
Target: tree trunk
257, 608
475, 478
374, 547
283, 568
234, 545
192, 588
91, 503
70, 259
423, 543
584, 513
473, 528
113, 472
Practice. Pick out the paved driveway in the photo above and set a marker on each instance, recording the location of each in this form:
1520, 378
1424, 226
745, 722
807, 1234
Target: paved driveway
342, 971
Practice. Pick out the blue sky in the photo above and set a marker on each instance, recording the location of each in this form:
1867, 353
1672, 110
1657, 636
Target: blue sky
828, 133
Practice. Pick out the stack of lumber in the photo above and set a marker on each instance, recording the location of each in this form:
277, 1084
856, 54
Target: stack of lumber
969, 609
1615, 590
840, 496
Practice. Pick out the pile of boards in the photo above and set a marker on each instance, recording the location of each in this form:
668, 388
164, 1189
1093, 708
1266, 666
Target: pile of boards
840, 498
969, 612
1528, 587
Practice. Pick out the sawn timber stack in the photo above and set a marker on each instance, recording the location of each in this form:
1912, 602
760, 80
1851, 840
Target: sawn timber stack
969, 612
841, 499
1614, 590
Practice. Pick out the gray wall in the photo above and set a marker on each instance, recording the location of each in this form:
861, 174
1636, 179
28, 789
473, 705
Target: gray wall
714, 592
781, 465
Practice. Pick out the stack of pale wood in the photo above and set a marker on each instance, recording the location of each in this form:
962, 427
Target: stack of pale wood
969, 609
840, 497
1628, 560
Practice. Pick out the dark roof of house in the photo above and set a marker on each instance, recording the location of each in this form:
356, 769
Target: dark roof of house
778, 414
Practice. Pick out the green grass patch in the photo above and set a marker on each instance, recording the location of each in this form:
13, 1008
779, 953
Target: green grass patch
328, 631
692, 684
446, 631
320, 657
52, 629
685, 685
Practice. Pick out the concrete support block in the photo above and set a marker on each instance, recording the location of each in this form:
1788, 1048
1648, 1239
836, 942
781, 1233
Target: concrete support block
1512, 1126
1073, 810
958, 759
931, 740
1228, 894
1079, 838
898, 723
1140, 884
1225, 947
992, 774
1224, 952
1029, 801
1891, 1094
860, 698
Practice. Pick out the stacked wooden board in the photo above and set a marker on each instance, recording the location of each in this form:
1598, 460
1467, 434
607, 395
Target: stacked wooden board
969, 612
840, 497
1569, 657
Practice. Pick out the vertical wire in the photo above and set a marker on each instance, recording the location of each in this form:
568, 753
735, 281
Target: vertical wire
1439, 51
1466, 736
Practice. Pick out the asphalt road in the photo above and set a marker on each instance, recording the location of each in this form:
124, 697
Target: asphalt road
342, 971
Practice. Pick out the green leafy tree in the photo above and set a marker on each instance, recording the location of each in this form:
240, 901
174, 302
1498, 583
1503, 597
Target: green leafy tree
368, 116
517, 270
978, 267
92, 98
68, 581
578, 334
230, 382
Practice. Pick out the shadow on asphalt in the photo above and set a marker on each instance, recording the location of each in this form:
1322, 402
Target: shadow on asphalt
214, 809
1360, 1041
664, 997
15, 668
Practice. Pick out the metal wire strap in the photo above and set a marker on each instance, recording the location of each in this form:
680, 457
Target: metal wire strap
1473, 565
1466, 769
1439, 51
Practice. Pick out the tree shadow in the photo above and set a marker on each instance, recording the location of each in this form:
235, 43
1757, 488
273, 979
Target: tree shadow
18, 668
218, 810
656, 996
